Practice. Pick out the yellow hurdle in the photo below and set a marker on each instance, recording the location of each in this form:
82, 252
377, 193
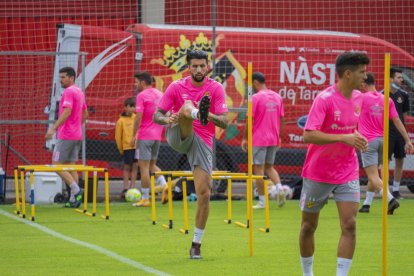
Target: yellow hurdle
59, 168
185, 207
16, 187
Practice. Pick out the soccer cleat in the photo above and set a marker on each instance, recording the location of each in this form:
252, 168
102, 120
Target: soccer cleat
204, 108
74, 204
142, 203
281, 198
364, 209
259, 206
396, 194
392, 205
122, 195
195, 252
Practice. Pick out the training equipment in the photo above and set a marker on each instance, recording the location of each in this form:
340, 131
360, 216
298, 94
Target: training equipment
32, 169
287, 191
133, 195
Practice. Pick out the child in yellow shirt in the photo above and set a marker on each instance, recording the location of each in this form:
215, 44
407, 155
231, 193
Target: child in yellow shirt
123, 136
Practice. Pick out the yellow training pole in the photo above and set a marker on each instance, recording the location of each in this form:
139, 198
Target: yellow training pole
23, 193
32, 196
16, 187
229, 203
249, 156
153, 214
385, 163
170, 210
95, 184
85, 192
106, 175
185, 207
266, 187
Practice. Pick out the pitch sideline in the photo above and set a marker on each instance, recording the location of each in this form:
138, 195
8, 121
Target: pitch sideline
96, 248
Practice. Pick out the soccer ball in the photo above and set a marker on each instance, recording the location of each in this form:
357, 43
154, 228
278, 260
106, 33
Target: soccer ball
132, 195
288, 191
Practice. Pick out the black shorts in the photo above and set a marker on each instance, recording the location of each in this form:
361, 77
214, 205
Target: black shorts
397, 147
129, 157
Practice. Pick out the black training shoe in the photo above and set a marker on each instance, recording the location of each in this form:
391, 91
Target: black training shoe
364, 209
396, 194
195, 252
392, 205
74, 204
204, 108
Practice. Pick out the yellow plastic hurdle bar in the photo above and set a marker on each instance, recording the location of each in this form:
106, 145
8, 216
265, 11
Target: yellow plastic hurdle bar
58, 168
22, 169
170, 175
229, 201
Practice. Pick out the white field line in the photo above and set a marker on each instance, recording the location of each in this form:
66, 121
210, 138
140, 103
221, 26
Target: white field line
96, 248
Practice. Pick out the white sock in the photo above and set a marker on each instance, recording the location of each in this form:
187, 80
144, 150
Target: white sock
74, 189
396, 186
307, 263
161, 180
145, 193
390, 196
194, 113
343, 266
262, 199
369, 197
198, 235
278, 187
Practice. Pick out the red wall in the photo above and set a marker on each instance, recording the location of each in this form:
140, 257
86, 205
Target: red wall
392, 21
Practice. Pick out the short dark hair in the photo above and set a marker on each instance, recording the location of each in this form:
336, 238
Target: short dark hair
129, 102
394, 70
370, 80
350, 61
196, 54
69, 71
259, 76
144, 76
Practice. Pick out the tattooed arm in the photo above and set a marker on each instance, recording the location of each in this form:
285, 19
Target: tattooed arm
160, 118
219, 120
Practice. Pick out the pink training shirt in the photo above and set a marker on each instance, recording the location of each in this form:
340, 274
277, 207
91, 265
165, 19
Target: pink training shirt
147, 101
371, 122
332, 113
181, 90
73, 98
267, 110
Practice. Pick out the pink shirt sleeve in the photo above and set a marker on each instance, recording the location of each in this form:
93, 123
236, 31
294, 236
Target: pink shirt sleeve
392, 111
220, 105
68, 99
167, 100
316, 115
139, 105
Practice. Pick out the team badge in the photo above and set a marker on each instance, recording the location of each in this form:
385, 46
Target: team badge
399, 100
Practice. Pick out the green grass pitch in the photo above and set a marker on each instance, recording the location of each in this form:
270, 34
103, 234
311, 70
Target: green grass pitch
130, 234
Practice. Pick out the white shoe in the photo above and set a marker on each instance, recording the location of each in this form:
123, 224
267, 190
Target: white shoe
281, 198
259, 206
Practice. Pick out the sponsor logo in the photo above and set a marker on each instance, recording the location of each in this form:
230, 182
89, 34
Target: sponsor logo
301, 122
357, 111
308, 50
286, 49
337, 115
